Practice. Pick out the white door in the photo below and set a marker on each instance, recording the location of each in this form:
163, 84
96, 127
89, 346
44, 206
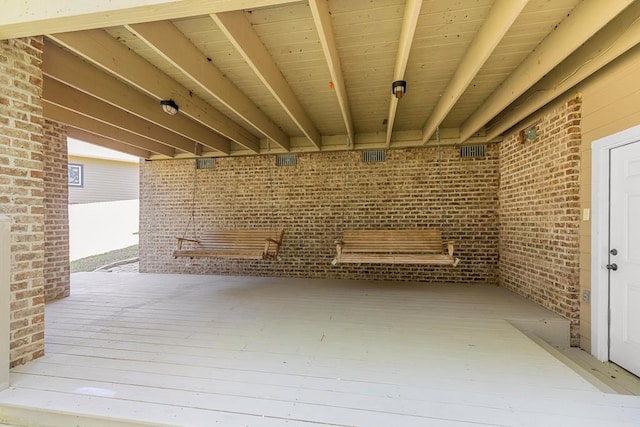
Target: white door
624, 258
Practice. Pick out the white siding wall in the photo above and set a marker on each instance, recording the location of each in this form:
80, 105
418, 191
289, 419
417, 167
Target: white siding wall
611, 103
105, 180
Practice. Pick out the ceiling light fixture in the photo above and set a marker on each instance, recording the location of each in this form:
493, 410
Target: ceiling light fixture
169, 106
399, 88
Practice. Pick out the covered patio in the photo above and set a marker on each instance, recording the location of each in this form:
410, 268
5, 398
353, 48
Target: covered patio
201, 350
494, 122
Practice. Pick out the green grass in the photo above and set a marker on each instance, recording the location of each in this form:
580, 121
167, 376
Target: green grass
96, 261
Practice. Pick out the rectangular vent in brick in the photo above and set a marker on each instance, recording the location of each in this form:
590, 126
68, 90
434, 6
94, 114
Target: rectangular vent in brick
286, 160
472, 151
208, 163
374, 156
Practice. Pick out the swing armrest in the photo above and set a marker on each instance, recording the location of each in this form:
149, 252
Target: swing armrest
449, 245
184, 239
267, 242
275, 237
339, 244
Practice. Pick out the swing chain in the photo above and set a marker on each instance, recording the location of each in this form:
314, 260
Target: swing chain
270, 177
344, 185
440, 184
192, 221
443, 217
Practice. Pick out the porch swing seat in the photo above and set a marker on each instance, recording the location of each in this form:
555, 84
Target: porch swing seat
423, 246
252, 244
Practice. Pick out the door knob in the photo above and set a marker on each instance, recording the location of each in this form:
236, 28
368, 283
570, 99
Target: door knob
613, 267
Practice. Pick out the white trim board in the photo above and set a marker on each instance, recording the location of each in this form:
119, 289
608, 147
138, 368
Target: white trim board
599, 237
5, 298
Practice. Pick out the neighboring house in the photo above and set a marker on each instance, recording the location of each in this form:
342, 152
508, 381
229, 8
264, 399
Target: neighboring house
103, 199
98, 174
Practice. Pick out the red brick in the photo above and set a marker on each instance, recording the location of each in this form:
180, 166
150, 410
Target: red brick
56, 211
21, 187
318, 198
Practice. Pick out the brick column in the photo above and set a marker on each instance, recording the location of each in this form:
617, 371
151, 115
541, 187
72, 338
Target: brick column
22, 190
56, 212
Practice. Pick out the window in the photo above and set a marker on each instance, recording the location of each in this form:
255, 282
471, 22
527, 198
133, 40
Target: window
76, 175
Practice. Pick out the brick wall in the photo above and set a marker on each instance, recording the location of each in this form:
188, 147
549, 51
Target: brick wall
410, 190
21, 190
540, 212
56, 212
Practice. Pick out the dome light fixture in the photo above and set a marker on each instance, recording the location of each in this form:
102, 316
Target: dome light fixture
169, 106
399, 88
531, 133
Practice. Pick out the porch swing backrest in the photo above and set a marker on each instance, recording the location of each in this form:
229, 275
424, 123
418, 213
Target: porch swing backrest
422, 246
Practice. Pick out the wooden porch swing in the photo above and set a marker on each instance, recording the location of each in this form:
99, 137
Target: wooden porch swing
257, 244
420, 246
406, 246
249, 244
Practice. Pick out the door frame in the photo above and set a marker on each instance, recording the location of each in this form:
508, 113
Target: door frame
600, 237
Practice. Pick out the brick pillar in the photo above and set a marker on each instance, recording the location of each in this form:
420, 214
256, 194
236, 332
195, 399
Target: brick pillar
22, 190
56, 212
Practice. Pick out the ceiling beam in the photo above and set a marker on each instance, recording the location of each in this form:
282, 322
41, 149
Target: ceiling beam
409, 23
79, 121
65, 96
239, 31
618, 37
582, 23
377, 140
322, 19
68, 68
36, 17
98, 47
168, 41
102, 141
501, 16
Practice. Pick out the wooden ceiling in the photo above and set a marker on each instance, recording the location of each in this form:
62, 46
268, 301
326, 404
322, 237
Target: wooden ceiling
292, 76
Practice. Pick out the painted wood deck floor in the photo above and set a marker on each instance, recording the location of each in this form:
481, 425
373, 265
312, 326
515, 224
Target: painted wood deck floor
140, 349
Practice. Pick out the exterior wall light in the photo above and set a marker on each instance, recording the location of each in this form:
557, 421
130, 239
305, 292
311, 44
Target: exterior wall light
531, 133
169, 107
399, 88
